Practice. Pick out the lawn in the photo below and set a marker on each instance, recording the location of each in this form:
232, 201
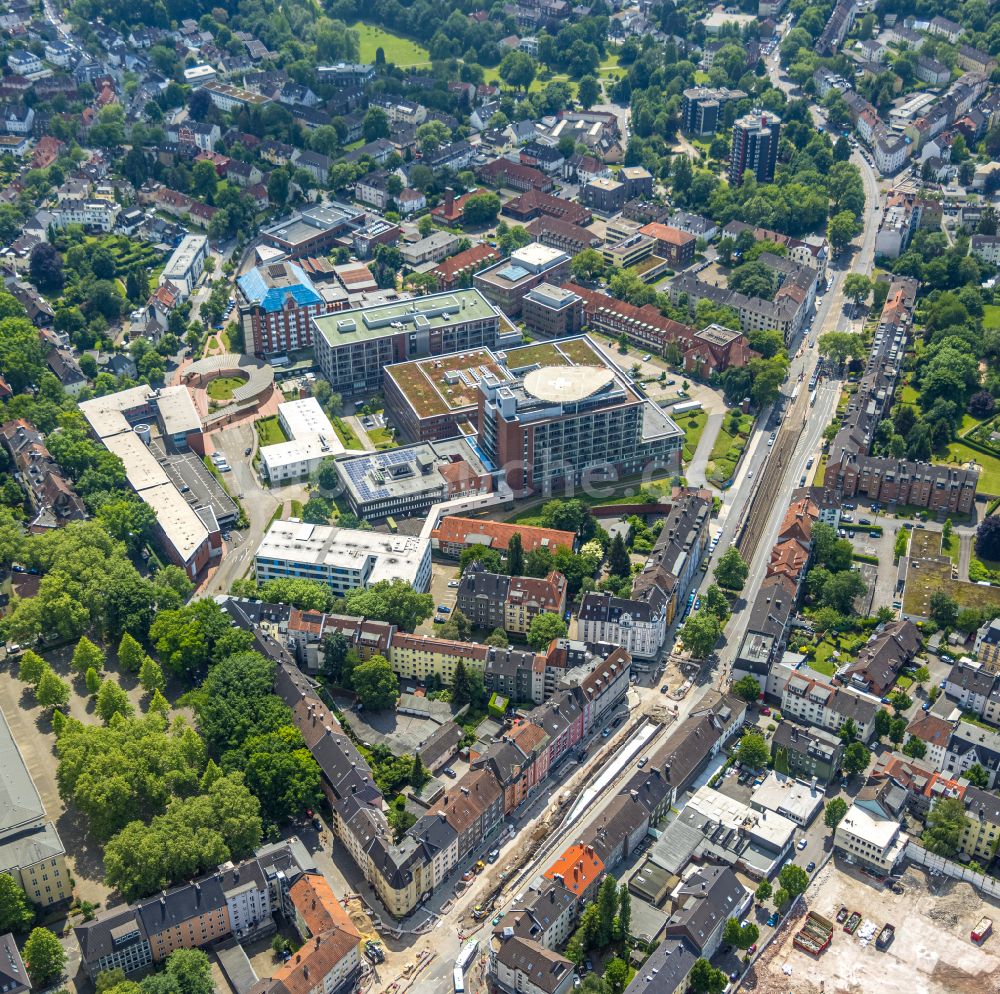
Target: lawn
398, 50
951, 547
989, 466
693, 425
991, 316
383, 438
222, 387
727, 450
270, 432
346, 434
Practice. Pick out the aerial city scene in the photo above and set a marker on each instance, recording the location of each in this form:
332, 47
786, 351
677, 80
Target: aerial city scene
499, 499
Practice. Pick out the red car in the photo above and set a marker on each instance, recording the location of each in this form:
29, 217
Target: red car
765, 710
752, 949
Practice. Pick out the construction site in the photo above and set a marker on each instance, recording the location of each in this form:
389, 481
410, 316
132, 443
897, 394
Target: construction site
912, 939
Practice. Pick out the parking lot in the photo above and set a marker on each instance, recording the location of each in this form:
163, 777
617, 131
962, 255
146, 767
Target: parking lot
443, 572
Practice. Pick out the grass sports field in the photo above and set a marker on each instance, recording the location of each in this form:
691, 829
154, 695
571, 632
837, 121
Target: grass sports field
398, 50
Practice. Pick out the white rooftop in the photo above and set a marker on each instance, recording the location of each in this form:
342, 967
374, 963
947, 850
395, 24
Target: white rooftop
177, 411
764, 826
786, 795
566, 384
537, 257
375, 555
177, 518
304, 417
862, 824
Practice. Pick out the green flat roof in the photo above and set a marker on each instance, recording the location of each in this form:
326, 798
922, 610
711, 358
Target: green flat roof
437, 310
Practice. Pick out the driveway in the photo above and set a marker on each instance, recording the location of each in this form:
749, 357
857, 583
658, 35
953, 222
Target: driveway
695, 472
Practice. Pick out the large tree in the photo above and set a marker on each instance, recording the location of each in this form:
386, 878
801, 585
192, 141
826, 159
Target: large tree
112, 700
43, 956
545, 627
375, 683
946, 821
395, 602
731, 570
747, 688
701, 633
16, 913
793, 879
619, 563
193, 835
836, 808
752, 751
856, 758
706, 979
86, 655
988, 538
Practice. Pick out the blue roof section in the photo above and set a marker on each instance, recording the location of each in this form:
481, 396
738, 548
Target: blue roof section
272, 298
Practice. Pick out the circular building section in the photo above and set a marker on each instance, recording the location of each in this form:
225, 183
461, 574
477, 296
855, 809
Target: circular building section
567, 384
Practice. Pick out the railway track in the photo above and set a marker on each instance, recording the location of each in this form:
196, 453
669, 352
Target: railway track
764, 500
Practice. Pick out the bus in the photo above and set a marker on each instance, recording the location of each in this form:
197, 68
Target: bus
812, 399
459, 981
467, 955
391, 525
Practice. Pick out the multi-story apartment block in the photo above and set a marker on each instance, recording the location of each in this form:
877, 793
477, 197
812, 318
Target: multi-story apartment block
353, 346
702, 106
987, 645
97, 215
866, 836
604, 195
528, 597
805, 753
455, 533
754, 147
638, 626
552, 311
482, 596
237, 900
816, 703
901, 481
277, 303
186, 264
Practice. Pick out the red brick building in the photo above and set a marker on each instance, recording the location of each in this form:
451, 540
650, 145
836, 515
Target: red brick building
939, 488
674, 245
514, 175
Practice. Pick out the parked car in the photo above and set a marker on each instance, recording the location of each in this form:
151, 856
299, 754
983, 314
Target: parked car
801, 844
646, 357
774, 919
248, 450
810, 866
454, 583
765, 710
467, 876
444, 609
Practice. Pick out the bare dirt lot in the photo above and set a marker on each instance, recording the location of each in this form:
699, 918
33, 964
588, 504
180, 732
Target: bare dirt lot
931, 954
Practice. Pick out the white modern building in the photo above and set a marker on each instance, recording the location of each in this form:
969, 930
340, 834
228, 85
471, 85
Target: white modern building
870, 839
311, 439
342, 558
198, 75
186, 264
99, 214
